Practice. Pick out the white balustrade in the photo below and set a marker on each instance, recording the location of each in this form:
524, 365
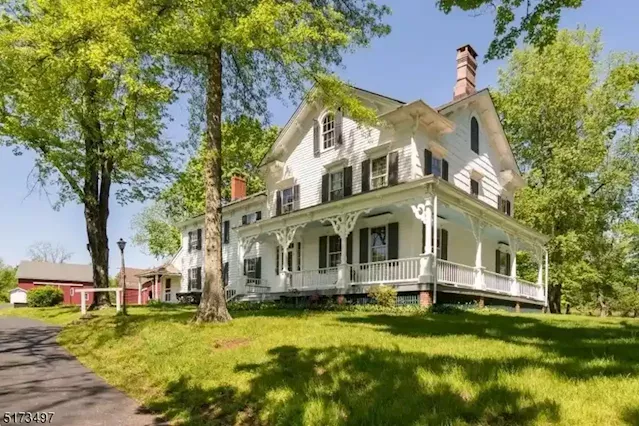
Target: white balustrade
455, 273
314, 279
497, 282
257, 285
388, 271
529, 289
230, 293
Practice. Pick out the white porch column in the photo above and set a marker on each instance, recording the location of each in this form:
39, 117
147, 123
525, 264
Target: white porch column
513, 250
139, 291
343, 224
285, 237
245, 246
424, 213
83, 303
434, 264
477, 228
118, 295
539, 253
155, 287
546, 279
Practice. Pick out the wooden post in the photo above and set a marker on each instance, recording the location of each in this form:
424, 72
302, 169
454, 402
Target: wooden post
118, 300
83, 303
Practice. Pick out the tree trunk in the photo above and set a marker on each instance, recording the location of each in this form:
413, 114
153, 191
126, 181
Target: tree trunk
555, 293
213, 306
99, 249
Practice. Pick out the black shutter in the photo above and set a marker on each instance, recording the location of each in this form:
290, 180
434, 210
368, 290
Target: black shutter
393, 168
316, 138
258, 267
277, 260
225, 232
244, 219
445, 169
366, 169
322, 252
296, 197
350, 248
392, 241
258, 215
347, 178
364, 245
325, 188
508, 270
424, 237
190, 240
199, 242
497, 261
444, 244
500, 204
244, 267
338, 127
427, 162
509, 207
278, 203
199, 278
225, 273
475, 145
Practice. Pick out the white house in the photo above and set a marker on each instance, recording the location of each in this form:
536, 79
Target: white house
423, 202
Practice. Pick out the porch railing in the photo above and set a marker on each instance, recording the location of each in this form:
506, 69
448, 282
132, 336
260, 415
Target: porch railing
230, 293
455, 273
315, 278
257, 286
388, 271
529, 289
497, 282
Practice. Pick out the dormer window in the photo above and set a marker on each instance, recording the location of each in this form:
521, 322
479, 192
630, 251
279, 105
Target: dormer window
328, 131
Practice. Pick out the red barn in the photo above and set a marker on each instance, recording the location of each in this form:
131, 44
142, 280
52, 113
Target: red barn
66, 276
136, 288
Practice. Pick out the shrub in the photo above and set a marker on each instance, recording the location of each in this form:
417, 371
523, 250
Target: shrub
44, 296
191, 298
383, 295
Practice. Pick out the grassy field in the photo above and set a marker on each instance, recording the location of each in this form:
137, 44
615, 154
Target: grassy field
355, 368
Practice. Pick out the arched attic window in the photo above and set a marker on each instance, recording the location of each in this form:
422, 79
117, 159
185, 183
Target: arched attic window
328, 131
475, 144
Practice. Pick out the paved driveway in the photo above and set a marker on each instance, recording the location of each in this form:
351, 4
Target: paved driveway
36, 375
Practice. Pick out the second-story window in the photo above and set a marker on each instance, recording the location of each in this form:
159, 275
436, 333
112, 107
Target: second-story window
328, 131
336, 185
475, 188
379, 172
250, 218
287, 200
436, 166
505, 206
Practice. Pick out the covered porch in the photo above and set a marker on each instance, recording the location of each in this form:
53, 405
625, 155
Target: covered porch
426, 236
165, 284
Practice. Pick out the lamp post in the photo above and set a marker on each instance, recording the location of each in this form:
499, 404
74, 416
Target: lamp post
121, 244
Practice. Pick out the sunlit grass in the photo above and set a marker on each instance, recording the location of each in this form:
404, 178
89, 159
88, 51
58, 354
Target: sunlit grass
355, 368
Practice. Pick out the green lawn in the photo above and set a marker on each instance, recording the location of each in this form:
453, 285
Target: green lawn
354, 368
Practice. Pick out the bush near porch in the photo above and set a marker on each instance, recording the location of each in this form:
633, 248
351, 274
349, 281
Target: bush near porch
286, 367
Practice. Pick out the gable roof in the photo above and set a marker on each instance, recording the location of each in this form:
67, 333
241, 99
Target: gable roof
55, 271
131, 276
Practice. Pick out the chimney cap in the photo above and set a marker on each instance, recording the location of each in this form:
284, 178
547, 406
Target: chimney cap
469, 48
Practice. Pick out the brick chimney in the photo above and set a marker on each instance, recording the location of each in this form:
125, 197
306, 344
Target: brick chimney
238, 188
466, 72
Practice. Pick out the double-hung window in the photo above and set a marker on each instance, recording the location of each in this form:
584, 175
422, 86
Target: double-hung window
335, 251
287, 200
503, 263
250, 270
436, 166
328, 131
379, 244
336, 185
195, 278
379, 172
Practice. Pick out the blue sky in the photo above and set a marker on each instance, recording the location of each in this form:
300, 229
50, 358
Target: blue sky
416, 61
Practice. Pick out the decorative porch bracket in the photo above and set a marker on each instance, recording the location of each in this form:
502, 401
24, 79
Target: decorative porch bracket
424, 213
477, 228
285, 237
343, 225
513, 250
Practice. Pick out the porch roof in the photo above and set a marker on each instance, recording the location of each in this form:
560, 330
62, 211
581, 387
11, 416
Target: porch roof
160, 270
405, 193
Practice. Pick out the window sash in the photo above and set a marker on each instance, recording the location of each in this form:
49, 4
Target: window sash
436, 166
287, 200
334, 251
379, 244
336, 185
504, 265
475, 188
328, 131
379, 167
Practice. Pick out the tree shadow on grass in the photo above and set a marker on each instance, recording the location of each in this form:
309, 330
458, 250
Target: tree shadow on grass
360, 386
580, 347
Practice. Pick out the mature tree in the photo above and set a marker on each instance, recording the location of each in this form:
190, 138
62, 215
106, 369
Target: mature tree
537, 21
240, 54
246, 143
571, 117
8, 280
76, 91
44, 251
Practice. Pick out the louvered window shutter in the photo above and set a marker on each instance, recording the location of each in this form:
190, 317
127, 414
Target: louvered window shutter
393, 168
347, 179
278, 203
258, 267
338, 127
190, 240
428, 166
322, 252
444, 244
365, 171
316, 138
325, 188
392, 248
364, 245
199, 242
445, 169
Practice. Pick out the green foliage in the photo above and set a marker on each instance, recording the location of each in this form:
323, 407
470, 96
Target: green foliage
383, 295
538, 21
41, 297
571, 117
8, 280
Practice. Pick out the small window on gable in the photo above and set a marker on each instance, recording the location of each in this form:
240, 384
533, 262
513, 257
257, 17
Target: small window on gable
328, 131
475, 188
475, 143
